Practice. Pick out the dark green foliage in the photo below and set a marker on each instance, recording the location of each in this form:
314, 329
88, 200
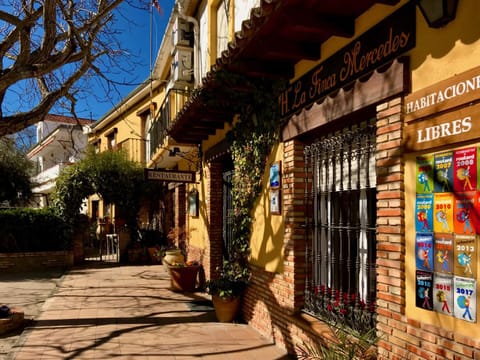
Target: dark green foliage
345, 344
231, 283
72, 186
252, 140
24, 230
15, 171
110, 174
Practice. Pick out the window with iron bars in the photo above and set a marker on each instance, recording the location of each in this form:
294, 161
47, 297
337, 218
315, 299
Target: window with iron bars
341, 225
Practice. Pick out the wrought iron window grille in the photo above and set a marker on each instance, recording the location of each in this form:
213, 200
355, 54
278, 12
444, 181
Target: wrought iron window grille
341, 225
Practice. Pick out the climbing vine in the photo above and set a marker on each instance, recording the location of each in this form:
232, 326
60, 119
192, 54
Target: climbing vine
252, 139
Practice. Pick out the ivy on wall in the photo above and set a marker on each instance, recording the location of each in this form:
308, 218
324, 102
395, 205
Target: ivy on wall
252, 139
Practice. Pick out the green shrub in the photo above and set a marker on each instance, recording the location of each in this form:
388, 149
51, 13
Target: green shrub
345, 344
24, 230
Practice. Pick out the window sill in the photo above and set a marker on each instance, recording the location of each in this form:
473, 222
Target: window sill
314, 325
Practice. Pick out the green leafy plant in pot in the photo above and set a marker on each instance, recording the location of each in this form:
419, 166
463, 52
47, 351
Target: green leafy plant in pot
227, 290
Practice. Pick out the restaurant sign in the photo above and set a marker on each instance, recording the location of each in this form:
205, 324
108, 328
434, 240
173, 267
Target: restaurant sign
381, 44
170, 175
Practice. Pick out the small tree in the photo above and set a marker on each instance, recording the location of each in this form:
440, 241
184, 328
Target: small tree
111, 175
15, 172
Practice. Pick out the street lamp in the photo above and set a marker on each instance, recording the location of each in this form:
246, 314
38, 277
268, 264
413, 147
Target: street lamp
438, 13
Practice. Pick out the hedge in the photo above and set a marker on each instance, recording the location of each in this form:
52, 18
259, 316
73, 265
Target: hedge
30, 230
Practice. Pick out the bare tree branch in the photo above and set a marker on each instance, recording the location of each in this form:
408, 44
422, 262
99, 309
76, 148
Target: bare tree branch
56, 43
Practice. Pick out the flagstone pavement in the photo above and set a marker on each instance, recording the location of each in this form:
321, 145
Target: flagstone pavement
128, 312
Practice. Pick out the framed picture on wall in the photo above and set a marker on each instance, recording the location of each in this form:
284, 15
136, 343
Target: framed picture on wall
275, 202
276, 175
193, 203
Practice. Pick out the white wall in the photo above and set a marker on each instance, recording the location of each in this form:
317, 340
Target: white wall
242, 11
222, 27
204, 50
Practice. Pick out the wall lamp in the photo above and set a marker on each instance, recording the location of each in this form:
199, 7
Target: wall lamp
438, 13
173, 152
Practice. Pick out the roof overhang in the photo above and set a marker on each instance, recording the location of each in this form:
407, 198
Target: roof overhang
169, 157
62, 133
278, 34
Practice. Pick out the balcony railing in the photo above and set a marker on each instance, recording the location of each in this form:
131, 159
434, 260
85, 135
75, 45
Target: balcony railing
173, 103
44, 181
49, 174
135, 149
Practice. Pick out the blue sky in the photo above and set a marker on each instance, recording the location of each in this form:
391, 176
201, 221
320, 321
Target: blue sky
133, 21
133, 27
135, 37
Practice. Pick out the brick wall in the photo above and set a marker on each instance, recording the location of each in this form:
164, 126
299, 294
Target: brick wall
213, 254
180, 215
402, 337
390, 229
27, 261
272, 300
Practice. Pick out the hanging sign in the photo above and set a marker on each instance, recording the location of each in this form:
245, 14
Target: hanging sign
383, 43
170, 175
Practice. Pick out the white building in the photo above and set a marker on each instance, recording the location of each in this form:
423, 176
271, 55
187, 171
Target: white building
60, 142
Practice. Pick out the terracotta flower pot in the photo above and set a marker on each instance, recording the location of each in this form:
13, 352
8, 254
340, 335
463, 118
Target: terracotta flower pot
153, 253
226, 309
184, 278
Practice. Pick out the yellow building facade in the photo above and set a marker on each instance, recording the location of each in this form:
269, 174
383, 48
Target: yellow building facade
376, 98
124, 129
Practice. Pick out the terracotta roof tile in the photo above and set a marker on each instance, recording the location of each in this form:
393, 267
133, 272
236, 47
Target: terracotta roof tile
67, 119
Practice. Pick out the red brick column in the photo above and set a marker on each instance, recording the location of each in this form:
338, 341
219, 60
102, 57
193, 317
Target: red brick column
294, 209
390, 231
180, 215
272, 299
213, 251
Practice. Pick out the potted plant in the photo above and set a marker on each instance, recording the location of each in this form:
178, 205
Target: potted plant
183, 276
155, 253
227, 290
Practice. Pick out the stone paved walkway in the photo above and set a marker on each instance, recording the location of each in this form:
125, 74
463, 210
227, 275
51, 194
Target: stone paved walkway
129, 312
28, 292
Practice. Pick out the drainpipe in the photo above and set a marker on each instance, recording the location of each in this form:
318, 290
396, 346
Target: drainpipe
196, 42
